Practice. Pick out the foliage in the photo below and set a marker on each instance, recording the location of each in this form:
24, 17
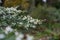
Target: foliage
49, 13
10, 3
13, 17
14, 21
45, 20
24, 4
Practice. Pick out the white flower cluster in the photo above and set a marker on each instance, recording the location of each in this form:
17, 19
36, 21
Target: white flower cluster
31, 22
29, 37
1, 10
18, 35
8, 29
2, 36
21, 36
13, 18
12, 10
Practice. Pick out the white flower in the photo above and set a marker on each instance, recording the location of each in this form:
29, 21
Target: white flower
20, 37
17, 38
34, 26
28, 16
9, 11
27, 25
11, 8
29, 37
20, 23
16, 33
24, 18
3, 17
44, 1
13, 23
32, 20
2, 36
8, 29
40, 22
35, 22
19, 11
